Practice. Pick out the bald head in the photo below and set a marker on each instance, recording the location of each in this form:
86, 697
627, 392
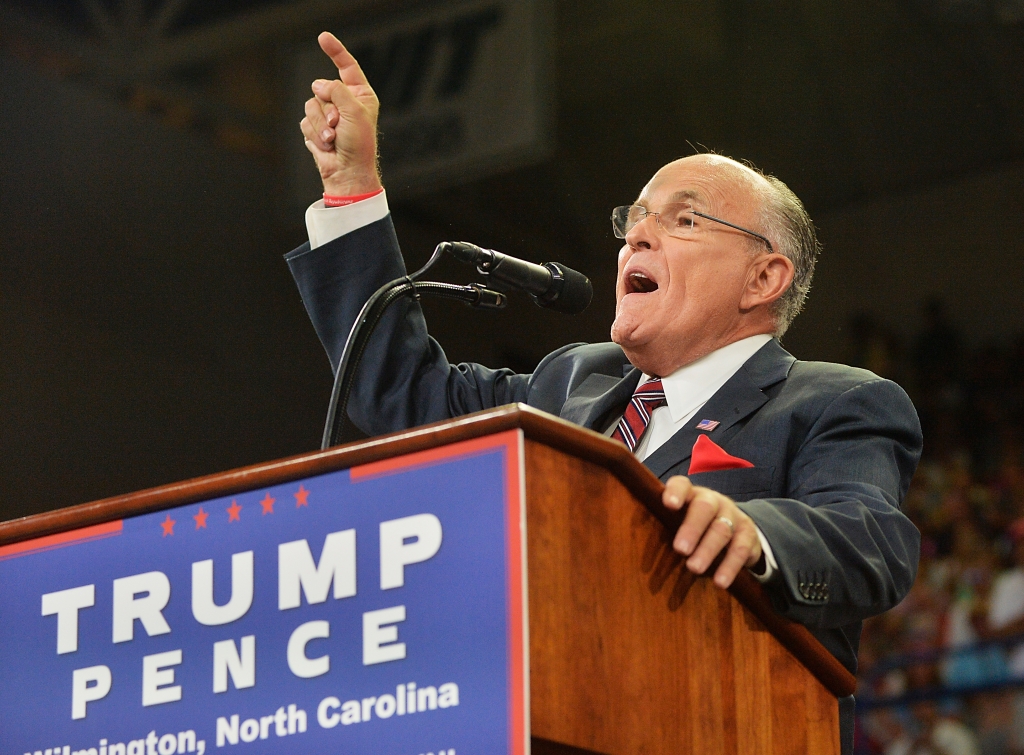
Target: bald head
724, 169
765, 205
682, 296
726, 183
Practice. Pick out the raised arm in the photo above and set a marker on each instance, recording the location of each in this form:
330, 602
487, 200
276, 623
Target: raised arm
404, 377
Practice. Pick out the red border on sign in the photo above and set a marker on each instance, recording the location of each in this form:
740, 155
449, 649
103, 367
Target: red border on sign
50, 542
517, 658
510, 442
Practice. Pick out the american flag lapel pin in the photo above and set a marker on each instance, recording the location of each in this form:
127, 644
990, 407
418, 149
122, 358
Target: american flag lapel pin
708, 424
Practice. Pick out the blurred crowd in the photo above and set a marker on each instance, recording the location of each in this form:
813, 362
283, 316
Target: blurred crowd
949, 653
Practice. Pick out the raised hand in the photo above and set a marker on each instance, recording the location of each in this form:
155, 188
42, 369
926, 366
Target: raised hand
340, 127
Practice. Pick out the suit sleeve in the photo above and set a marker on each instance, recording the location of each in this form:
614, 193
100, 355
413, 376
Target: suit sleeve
404, 378
845, 549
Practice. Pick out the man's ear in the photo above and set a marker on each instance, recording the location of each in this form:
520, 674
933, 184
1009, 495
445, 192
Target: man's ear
770, 277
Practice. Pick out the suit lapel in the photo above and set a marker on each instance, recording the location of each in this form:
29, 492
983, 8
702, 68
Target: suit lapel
741, 395
598, 396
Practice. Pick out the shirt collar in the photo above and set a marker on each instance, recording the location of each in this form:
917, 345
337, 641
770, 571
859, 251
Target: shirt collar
690, 387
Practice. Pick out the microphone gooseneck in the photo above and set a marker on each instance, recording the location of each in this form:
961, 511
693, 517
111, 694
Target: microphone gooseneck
551, 285
373, 310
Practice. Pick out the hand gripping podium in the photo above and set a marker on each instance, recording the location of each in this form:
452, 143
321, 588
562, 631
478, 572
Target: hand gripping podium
627, 651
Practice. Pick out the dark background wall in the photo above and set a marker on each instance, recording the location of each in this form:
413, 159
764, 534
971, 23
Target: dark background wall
149, 330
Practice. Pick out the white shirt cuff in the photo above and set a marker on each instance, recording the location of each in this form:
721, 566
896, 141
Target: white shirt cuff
770, 564
325, 224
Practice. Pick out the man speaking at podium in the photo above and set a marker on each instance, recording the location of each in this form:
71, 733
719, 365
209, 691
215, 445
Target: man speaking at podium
794, 470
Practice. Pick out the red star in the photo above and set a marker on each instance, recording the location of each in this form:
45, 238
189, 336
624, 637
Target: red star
201, 518
268, 504
301, 496
233, 510
168, 525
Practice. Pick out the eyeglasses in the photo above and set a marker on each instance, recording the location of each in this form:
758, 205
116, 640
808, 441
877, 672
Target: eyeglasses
676, 219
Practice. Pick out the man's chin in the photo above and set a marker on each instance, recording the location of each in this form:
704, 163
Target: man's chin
644, 349
626, 333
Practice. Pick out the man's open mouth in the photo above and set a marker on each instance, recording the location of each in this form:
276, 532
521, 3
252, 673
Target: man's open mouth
638, 283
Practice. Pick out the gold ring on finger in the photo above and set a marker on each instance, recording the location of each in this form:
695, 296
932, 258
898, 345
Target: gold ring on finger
728, 523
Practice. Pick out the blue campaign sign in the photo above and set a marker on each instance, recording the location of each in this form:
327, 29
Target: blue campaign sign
379, 610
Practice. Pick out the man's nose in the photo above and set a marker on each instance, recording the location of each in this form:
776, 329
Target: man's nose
644, 235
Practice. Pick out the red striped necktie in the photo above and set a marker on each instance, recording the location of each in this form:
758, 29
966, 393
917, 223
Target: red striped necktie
648, 397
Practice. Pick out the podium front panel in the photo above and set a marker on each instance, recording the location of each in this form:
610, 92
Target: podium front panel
374, 609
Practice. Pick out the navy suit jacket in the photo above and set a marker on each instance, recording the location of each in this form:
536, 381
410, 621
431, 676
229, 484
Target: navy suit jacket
833, 447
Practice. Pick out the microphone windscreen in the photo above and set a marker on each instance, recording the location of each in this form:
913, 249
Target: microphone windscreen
575, 294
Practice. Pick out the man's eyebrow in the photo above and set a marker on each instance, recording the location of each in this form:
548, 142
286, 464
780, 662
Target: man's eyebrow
687, 195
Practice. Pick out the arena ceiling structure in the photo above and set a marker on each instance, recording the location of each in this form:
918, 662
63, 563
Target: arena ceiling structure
152, 175
858, 99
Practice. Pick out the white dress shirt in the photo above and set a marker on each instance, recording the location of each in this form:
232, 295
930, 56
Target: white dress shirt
686, 390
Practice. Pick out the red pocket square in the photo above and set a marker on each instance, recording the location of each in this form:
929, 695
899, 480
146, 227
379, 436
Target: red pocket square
708, 456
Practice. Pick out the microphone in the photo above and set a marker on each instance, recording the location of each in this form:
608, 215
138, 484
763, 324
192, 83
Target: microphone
552, 285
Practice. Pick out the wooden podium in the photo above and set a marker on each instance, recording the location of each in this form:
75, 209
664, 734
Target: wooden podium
629, 653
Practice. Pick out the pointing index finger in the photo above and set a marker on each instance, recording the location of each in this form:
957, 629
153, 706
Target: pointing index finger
348, 68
